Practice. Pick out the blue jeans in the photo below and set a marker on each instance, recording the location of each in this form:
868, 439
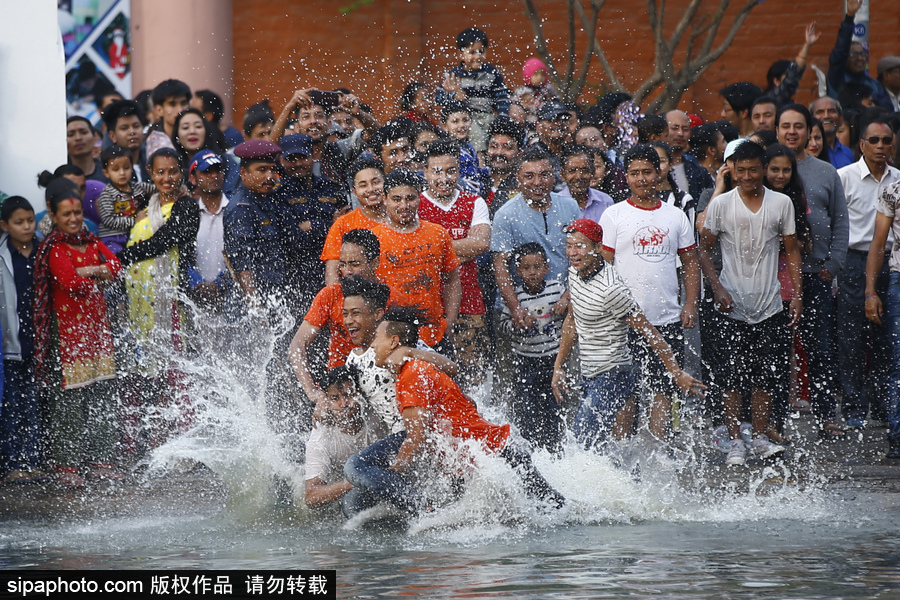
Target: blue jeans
816, 327
859, 339
374, 482
604, 396
20, 418
891, 318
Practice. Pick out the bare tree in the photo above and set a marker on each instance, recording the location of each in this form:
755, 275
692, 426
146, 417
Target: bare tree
702, 47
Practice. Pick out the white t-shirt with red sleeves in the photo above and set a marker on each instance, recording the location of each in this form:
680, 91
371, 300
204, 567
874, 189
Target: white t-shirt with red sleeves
647, 243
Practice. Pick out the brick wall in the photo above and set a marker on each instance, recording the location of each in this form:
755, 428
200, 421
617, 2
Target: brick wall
283, 45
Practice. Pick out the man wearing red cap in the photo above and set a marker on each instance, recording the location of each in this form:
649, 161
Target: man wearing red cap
600, 313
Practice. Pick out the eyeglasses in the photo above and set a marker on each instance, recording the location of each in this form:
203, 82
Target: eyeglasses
887, 140
858, 54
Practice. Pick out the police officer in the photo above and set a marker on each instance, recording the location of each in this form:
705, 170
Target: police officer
254, 245
253, 240
309, 203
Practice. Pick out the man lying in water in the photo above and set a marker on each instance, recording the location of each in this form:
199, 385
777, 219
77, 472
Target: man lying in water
433, 408
339, 433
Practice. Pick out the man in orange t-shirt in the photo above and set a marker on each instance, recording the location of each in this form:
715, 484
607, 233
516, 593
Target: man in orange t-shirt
432, 406
359, 257
418, 261
367, 176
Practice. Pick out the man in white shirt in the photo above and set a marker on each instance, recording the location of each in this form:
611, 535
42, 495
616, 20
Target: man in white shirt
863, 182
207, 176
341, 433
644, 238
749, 222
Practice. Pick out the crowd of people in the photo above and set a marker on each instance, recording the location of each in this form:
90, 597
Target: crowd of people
567, 257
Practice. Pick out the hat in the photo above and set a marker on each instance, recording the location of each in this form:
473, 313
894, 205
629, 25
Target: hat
257, 150
887, 63
550, 111
589, 228
732, 146
696, 120
532, 66
296, 143
204, 160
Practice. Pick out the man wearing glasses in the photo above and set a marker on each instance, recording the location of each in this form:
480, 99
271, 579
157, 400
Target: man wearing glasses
864, 181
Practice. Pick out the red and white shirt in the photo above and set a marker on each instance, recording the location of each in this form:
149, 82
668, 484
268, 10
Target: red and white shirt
461, 214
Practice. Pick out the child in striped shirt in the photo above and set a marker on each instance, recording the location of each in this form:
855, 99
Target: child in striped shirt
535, 411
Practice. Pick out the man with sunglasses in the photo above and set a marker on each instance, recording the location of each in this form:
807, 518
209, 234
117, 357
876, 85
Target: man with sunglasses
864, 181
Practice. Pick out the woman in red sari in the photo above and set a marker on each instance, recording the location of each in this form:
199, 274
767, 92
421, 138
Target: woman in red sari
73, 342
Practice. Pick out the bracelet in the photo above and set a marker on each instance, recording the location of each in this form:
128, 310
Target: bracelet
870, 295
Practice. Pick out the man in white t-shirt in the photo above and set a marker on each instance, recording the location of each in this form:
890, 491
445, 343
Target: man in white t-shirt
644, 238
601, 311
749, 223
340, 433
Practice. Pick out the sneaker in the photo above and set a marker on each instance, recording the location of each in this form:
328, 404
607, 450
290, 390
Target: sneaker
737, 455
856, 423
721, 439
762, 447
747, 433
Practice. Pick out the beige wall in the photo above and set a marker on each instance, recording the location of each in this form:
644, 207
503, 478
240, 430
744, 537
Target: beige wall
188, 40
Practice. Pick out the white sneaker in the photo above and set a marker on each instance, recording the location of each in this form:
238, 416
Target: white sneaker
762, 447
737, 454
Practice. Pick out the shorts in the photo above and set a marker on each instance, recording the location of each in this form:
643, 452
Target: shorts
654, 377
603, 397
755, 355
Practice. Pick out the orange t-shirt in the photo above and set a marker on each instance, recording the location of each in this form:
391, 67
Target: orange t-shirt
352, 220
413, 265
328, 309
452, 413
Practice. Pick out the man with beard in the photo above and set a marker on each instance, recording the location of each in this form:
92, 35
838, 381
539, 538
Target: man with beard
505, 140
330, 159
828, 111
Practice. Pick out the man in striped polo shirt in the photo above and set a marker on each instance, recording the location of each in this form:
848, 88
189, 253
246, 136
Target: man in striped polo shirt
601, 310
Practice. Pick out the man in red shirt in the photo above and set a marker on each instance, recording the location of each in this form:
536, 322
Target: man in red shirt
465, 216
433, 409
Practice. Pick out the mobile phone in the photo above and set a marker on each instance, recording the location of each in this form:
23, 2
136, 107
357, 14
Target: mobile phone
326, 100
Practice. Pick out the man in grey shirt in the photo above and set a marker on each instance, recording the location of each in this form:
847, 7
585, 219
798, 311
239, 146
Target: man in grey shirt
829, 226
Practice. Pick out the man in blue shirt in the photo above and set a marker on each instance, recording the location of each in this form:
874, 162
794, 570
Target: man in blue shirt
828, 110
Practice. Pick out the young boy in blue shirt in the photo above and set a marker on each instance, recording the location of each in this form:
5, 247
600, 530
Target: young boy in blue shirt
477, 83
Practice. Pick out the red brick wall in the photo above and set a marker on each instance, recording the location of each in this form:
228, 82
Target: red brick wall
283, 45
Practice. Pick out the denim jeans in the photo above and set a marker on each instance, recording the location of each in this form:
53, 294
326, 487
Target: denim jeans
374, 482
816, 328
603, 397
20, 418
861, 343
891, 317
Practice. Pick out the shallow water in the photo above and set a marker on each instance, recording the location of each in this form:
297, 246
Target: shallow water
687, 527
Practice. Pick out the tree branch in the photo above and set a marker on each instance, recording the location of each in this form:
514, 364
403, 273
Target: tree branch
591, 32
570, 63
611, 77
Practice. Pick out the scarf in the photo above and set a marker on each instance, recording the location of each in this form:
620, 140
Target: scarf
43, 304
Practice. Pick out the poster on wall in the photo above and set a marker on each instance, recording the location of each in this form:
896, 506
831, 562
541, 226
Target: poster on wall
97, 45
